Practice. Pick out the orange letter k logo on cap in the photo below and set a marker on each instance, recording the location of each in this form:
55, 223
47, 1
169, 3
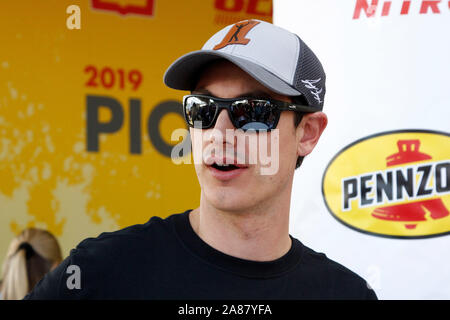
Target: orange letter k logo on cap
237, 34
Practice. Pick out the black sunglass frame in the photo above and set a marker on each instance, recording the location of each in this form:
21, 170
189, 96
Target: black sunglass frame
222, 103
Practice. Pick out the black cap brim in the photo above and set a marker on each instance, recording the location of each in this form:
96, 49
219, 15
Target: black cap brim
183, 74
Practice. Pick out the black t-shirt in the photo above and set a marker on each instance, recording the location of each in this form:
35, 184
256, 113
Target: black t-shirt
165, 259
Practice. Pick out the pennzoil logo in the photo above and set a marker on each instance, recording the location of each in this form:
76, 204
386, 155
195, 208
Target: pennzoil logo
392, 184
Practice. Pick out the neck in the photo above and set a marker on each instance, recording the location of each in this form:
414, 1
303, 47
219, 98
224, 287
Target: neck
260, 233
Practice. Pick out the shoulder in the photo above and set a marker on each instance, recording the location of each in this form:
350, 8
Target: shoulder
132, 233
337, 280
100, 265
127, 241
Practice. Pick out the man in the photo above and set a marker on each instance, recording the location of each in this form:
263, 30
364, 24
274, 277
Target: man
251, 78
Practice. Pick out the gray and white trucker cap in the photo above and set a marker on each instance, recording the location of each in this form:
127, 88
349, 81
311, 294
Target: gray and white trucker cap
275, 57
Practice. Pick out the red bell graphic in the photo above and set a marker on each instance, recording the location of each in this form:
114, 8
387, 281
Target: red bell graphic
408, 151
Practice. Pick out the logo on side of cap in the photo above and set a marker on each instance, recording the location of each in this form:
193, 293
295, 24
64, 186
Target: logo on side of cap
237, 34
311, 84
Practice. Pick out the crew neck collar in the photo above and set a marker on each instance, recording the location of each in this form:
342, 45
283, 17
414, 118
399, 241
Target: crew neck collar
246, 268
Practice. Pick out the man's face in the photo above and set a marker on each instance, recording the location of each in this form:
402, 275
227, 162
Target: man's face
246, 188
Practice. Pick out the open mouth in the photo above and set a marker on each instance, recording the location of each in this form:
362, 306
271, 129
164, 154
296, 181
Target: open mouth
226, 171
225, 167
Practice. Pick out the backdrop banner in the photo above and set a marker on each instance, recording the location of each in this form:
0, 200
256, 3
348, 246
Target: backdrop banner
375, 194
86, 122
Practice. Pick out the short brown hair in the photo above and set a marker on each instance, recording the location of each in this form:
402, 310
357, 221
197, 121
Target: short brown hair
297, 119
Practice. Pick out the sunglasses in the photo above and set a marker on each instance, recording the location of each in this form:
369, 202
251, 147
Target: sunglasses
245, 113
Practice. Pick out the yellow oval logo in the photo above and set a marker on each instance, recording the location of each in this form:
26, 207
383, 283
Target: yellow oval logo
392, 184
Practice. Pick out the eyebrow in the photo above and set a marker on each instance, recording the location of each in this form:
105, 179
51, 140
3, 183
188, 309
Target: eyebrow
251, 94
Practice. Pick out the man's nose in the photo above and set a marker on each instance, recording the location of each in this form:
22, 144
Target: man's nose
219, 131
223, 121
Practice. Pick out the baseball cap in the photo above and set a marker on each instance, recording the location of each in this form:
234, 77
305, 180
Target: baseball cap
275, 57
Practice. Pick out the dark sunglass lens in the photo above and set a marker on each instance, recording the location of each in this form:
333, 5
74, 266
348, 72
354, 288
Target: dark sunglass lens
198, 109
254, 114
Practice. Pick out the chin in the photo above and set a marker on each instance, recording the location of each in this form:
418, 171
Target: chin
229, 198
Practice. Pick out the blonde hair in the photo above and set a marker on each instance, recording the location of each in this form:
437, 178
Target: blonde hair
30, 255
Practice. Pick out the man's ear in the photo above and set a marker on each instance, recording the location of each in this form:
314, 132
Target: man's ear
309, 131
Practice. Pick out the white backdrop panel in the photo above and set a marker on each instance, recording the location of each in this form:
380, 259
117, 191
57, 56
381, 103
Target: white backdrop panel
384, 73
